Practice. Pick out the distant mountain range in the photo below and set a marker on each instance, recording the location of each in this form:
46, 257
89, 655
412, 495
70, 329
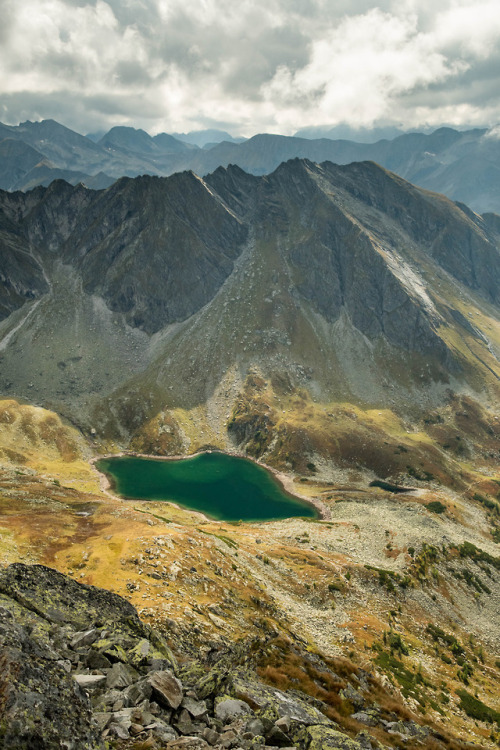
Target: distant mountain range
465, 166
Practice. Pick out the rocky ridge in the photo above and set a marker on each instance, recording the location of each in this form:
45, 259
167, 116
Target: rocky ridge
153, 291
80, 669
463, 165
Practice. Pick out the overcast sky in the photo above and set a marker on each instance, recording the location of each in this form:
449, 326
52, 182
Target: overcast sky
250, 65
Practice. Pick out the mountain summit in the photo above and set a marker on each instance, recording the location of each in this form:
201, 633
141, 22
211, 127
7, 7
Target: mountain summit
342, 282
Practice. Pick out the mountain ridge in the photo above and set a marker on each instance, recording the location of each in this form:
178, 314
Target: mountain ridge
464, 165
344, 277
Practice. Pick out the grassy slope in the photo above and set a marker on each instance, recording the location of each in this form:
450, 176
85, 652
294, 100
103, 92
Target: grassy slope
365, 574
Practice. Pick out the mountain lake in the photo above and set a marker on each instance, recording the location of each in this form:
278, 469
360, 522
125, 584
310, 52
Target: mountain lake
220, 486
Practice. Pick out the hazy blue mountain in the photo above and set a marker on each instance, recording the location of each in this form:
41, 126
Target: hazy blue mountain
465, 165
203, 138
16, 160
125, 139
96, 135
128, 139
347, 132
62, 146
44, 174
169, 144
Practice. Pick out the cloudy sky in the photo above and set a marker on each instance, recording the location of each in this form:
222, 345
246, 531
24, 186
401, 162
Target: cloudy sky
250, 66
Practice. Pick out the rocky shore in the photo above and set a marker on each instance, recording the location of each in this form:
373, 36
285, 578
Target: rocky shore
284, 480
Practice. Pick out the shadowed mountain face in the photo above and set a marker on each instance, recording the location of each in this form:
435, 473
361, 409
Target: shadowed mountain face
346, 279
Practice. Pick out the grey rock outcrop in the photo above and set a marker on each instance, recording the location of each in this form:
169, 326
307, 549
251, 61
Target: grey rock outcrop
49, 699
41, 705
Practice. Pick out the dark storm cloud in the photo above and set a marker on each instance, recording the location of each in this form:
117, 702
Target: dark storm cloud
257, 65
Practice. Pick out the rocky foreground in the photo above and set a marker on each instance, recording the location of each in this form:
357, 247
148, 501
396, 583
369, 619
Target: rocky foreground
80, 671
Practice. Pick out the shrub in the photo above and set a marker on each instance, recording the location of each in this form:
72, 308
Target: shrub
396, 643
436, 507
467, 549
476, 709
422, 476
490, 504
464, 673
334, 586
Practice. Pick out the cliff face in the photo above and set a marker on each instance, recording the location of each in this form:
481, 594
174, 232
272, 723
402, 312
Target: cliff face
21, 274
339, 276
163, 253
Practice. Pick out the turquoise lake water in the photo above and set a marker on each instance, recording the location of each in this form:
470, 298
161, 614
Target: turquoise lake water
222, 487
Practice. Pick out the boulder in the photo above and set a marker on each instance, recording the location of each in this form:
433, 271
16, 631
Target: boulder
229, 709
138, 692
228, 739
197, 709
277, 737
254, 727
162, 730
276, 703
90, 681
367, 717
41, 704
118, 730
59, 599
407, 729
102, 719
85, 638
210, 735
353, 696
140, 653
121, 675
166, 688
327, 738
95, 660
284, 724
184, 723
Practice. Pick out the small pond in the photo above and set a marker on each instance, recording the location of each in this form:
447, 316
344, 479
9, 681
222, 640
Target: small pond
220, 486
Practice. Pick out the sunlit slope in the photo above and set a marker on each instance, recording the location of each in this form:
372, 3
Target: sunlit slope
405, 585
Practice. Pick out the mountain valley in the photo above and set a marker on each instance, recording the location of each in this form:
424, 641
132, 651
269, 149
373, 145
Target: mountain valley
335, 323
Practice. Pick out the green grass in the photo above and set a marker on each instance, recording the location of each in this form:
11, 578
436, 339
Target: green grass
476, 709
445, 638
148, 513
226, 539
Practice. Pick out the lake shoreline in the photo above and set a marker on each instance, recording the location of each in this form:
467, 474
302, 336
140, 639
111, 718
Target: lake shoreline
284, 480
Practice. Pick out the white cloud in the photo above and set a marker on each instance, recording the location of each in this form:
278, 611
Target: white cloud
358, 70
468, 28
273, 65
